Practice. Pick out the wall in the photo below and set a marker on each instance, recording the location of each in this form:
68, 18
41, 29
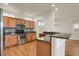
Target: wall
65, 24
49, 22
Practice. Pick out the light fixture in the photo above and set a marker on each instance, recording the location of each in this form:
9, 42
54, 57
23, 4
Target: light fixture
53, 5
56, 9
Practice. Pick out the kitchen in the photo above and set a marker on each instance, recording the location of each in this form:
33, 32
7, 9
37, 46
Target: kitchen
39, 31
20, 37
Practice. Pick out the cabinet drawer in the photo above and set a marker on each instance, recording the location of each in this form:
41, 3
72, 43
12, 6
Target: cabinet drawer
31, 24
10, 40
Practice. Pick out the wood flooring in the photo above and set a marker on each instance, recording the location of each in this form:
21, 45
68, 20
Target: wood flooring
28, 49
34, 48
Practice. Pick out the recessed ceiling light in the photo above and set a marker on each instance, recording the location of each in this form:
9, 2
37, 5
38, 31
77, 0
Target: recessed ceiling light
56, 9
53, 5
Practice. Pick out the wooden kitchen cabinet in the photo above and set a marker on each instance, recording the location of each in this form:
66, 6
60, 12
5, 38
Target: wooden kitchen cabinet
27, 24
12, 22
10, 40
5, 21
20, 21
43, 48
31, 24
30, 36
72, 48
9, 22
33, 36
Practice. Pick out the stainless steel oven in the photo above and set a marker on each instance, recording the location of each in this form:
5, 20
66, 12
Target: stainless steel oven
21, 33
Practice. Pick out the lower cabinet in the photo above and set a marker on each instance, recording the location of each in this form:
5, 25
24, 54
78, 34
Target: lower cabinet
38, 48
72, 48
30, 36
43, 48
10, 40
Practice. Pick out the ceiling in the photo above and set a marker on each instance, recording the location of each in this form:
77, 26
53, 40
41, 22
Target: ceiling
64, 9
67, 10
28, 8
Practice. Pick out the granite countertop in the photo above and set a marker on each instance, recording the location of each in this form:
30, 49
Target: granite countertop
61, 35
51, 33
11, 33
75, 36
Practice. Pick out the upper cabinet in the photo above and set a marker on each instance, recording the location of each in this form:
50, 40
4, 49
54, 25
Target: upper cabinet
12, 22
20, 21
5, 21
31, 24
27, 24
9, 22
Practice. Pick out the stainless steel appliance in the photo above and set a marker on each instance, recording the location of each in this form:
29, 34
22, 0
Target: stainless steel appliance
21, 34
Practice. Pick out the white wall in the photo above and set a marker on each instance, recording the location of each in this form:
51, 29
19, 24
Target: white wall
65, 25
48, 22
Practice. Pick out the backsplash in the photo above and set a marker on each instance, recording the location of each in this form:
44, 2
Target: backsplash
6, 30
12, 30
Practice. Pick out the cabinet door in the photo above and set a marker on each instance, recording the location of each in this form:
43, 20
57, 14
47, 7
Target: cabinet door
32, 24
27, 24
33, 35
6, 41
72, 48
10, 40
20, 21
5, 21
12, 22
13, 40
28, 37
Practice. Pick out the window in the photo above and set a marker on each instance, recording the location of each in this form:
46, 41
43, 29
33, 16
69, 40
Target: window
40, 23
76, 26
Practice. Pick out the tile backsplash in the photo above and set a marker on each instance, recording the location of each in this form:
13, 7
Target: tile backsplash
9, 30
12, 30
